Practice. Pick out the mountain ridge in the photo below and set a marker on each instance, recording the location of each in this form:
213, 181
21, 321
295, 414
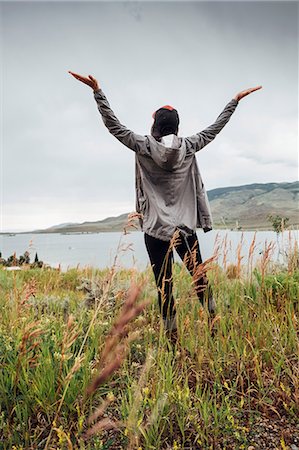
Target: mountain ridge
244, 207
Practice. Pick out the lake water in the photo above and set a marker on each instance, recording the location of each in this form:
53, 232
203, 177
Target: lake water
100, 249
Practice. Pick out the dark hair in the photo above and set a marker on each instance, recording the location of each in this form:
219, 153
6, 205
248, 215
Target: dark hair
166, 121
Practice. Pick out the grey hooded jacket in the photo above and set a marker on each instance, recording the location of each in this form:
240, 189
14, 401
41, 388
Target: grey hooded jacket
170, 193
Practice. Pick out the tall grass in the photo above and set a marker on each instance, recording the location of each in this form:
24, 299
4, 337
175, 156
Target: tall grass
102, 373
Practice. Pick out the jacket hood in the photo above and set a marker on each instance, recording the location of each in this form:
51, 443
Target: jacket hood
169, 153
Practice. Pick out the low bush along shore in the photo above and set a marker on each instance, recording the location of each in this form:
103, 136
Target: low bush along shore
85, 361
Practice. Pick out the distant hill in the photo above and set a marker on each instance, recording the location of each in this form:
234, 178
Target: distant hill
245, 207
108, 224
250, 205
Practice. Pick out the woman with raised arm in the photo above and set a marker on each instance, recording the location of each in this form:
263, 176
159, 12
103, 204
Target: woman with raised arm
170, 195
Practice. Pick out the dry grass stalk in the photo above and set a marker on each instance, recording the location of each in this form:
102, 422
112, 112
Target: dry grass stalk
251, 254
77, 364
27, 336
214, 321
201, 271
156, 411
102, 425
131, 223
100, 410
292, 254
28, 344
69, 337
128, 316
216, 251
106, 423
128, 312
225, 251
107, 371
239, 256
132, 419
269, 248
110, 278
232, 272
113, 355
29, 291
217, 243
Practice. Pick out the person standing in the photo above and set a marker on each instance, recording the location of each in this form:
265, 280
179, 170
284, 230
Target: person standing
170, 195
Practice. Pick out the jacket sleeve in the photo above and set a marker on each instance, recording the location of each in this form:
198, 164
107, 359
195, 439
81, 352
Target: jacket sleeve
127, 137
201, 139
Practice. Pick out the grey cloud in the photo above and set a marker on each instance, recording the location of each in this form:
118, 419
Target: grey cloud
194, 55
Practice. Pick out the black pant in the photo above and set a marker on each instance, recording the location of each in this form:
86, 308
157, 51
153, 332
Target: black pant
161, 257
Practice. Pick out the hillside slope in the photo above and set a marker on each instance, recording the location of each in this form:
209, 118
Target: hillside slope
250, 205
246, 207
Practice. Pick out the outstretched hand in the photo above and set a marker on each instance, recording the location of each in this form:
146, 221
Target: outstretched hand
246, 92
90, 81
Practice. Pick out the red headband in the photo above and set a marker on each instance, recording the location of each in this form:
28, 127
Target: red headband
165, 107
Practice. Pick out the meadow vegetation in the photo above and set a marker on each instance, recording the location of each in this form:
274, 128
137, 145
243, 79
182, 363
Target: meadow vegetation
86, 364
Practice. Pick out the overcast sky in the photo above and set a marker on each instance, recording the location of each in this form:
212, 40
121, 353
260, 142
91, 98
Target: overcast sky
59, 162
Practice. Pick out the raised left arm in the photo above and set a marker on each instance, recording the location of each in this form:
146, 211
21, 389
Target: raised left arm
204, 137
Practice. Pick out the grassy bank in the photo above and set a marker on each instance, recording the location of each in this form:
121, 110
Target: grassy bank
76, 343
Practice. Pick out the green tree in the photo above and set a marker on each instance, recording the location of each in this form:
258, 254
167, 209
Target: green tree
278, 223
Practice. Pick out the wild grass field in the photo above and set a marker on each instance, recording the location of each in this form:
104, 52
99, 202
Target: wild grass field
86, 364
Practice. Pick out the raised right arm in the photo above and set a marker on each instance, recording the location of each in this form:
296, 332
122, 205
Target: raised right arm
200, 140
204, 137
